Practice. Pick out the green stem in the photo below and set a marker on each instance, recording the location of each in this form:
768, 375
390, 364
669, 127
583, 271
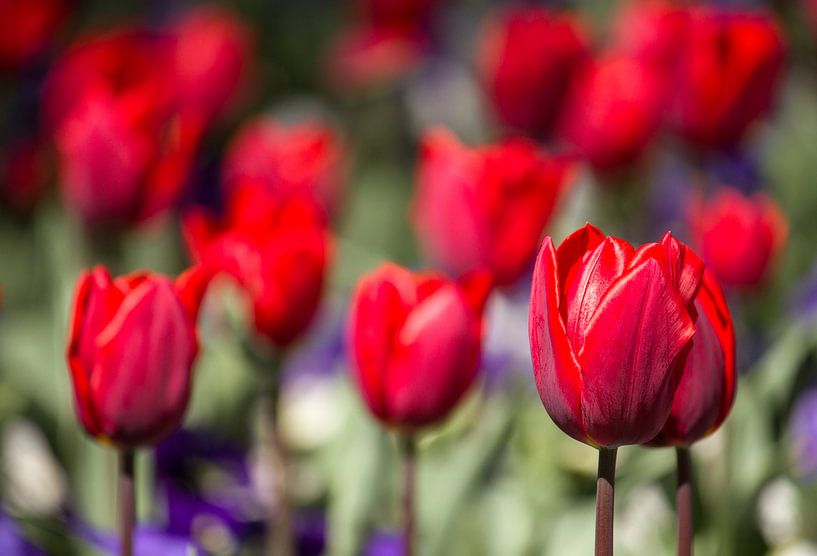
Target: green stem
127, 501
408, 452
683, 502
605, 501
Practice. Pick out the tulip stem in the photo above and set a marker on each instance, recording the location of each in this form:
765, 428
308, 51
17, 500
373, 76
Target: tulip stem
408, 451
605, 501
683, 502
279, 540
127, 501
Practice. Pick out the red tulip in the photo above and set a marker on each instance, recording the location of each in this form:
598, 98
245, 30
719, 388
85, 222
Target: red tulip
396, 13
615, 110
653, 31
528, 58
610, 327
707, 389
131, 349
212, 54
23, 171
728, 75
277, 249
415, 341
295, 159
124, 151
811, 13
504, 195
739, 236
28, 27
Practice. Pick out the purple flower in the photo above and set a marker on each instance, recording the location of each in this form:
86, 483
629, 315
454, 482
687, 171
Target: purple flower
383, 543
12, 541
803, 435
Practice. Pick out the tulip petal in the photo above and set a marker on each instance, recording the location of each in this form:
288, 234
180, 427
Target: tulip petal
630, 354
557, 372
587, 282
685, 268
142, 380
574, 247
428, 374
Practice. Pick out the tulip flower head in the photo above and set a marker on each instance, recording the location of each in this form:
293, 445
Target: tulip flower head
707, 389
528, 58
610, 327
277, 249
504, 196
415, 343
30, 26
739, 236
288, 159
131, 348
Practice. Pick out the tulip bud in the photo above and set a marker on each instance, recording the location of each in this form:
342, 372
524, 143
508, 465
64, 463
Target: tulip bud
728, 75
504, 194
614, 110
29, 27
610, 327
277, 249
131, 348
528, 58
707, 388
739, 236
415, 343
212, 54
302, 159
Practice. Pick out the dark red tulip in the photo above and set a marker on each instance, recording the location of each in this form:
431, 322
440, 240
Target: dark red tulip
304, 159
739, 236
276, 248
23, 174
504, 195
610, 327
28, 27
131, 349
396, 13
615, 110
528, 58
728, 75
415, 342
707, 389
212, 56
124, 150
811, 13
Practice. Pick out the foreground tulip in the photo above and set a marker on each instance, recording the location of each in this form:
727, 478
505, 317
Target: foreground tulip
739, 236
505, 194
29, 27
131, 348
303, 159
614, 111
704, 396
415, 344
276, 249
528, 58
729, 73
610, 327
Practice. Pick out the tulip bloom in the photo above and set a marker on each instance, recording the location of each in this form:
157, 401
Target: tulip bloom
739, 236
652, 31
528, 58
124, 151
504, 194
212, 52
707, 389
609, 329
277, 249
415, 341
304, 159
28, 27
614, 110
131, 348
728, 75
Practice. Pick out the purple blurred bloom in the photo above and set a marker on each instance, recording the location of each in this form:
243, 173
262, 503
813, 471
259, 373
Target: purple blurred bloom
382, 543
310, 534
12, 541
324, 348
147, 541
803, 434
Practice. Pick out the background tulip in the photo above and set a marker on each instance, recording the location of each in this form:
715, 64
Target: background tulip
739, 236
287, 159
277, 249
415, 342
528, 57
131, 348
609, 327
614, 110
707, 388
729, 73
504, 194
32, 25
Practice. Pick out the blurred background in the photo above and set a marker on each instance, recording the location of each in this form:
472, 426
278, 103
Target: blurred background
118, 118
